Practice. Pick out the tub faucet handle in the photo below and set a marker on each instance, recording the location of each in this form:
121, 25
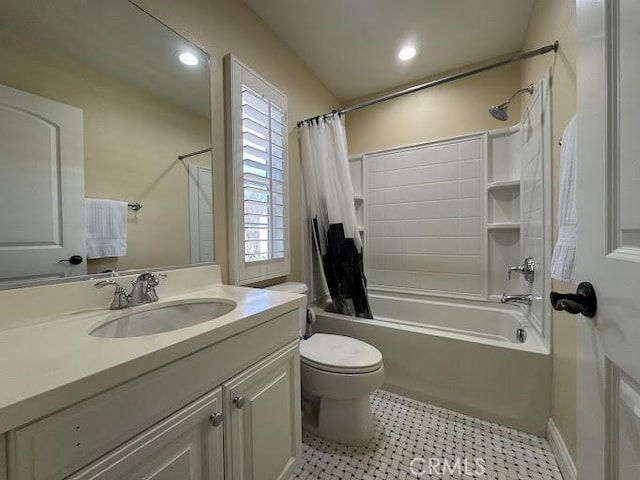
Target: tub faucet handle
527, 269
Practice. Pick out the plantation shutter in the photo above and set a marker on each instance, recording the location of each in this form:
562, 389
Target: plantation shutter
257, 116
264, 172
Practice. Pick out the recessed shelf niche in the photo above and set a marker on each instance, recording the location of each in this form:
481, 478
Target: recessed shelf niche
503, 208
356, 169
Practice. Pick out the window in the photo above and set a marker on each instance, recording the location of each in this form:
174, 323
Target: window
257, 140
263, 171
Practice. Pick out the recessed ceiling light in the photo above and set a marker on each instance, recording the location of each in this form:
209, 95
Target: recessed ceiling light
407, 53
188, 58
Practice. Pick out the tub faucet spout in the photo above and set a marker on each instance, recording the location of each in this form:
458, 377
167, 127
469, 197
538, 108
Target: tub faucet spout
524, 299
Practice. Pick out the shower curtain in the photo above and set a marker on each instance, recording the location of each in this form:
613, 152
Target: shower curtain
330, 207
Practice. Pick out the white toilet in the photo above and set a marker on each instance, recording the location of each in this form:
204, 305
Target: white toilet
338, 373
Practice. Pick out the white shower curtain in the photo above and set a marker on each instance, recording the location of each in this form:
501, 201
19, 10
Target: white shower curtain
330, 205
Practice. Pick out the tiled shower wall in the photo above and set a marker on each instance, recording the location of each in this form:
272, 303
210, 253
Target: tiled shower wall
424, 217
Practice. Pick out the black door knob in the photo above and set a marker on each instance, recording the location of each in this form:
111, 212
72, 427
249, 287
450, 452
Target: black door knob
73, 260
584, 301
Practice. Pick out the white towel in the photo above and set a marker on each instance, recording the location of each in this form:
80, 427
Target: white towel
106, 228
563, 263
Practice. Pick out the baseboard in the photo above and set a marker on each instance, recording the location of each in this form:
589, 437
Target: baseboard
565, 462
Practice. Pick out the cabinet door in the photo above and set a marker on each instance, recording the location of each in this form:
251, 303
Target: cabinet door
185, 446
263, 432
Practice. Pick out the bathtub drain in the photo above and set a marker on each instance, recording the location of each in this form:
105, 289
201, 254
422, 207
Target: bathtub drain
521, 335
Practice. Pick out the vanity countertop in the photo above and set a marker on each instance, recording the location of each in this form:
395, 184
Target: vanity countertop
48, 365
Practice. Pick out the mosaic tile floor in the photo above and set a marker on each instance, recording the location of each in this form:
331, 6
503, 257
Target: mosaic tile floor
407, 429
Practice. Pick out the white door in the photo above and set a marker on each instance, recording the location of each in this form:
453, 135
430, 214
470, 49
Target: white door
41, 187
201, 213
186, 446
609, 238
263, 433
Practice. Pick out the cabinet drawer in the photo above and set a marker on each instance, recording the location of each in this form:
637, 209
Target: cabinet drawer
62, 443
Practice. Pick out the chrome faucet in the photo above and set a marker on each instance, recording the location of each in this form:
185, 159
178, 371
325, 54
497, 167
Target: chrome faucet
527, 269
143, 291
523, 299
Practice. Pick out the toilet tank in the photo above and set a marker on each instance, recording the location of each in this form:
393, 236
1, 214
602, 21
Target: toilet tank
294, 287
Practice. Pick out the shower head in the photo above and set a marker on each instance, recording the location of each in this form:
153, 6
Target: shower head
500, 112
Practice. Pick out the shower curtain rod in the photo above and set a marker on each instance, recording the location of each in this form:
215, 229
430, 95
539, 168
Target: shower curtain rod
193, 154
456, 76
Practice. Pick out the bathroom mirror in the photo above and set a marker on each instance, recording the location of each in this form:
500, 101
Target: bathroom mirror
98, 100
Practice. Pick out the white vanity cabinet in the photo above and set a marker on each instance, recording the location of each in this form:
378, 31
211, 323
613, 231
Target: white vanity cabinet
262, 419
187, 446
230, 410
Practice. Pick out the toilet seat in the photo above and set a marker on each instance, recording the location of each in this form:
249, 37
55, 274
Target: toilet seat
339, 354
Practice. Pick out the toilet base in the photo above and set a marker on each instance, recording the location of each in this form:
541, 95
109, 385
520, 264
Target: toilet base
348, 421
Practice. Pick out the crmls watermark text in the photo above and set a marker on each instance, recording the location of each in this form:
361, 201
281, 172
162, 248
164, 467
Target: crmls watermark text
442, 466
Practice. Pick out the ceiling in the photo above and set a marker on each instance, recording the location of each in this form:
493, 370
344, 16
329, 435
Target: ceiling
118, 39
352, 45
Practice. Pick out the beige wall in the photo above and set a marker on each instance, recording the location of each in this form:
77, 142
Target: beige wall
131, 141
555, 20
229, 26
448, 110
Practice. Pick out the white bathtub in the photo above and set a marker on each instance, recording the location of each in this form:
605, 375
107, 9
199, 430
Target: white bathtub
459, 355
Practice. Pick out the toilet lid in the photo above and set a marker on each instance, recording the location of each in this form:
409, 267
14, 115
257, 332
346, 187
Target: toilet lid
339, 354
291, 287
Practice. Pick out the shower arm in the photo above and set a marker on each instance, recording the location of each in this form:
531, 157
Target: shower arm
528, 89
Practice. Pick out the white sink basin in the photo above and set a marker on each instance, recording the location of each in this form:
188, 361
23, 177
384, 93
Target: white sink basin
152, 319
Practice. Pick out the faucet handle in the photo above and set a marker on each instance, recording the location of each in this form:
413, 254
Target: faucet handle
154, 278
144, 288
120, 298
152, 281
527, 268
104, 283
517, 268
